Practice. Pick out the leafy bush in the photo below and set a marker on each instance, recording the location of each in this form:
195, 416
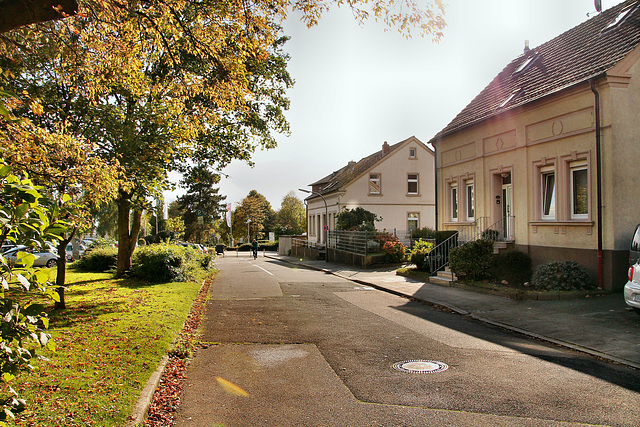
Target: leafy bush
98, 259
357, 219
443, 235
394, 251
421, 249
245, 247
490, 235
424, 233
169, 263
472, 260
512, 266
561, 276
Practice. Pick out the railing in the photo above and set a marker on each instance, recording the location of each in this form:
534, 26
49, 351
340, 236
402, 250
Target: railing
364, 242
499, 231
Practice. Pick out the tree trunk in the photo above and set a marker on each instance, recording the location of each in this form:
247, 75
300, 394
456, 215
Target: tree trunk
61, 269
18, 13
128, 231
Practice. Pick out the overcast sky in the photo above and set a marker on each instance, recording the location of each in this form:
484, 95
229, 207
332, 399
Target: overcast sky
358, 86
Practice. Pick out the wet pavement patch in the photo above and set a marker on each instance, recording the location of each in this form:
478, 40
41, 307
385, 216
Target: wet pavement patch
420, 366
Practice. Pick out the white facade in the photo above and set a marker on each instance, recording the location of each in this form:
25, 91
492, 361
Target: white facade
399, 187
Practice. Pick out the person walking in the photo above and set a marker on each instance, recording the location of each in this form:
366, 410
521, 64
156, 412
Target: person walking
254, 248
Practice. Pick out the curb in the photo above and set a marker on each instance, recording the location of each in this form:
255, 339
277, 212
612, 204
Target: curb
144, 401
462, 312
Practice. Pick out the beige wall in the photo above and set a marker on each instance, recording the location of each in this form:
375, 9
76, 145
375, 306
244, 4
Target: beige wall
555, 133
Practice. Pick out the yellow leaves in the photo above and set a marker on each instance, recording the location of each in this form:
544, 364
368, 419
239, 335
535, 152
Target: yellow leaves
231, 388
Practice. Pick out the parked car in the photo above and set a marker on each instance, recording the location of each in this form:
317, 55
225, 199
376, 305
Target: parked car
632, 288
44, 258
69, 251
634, 251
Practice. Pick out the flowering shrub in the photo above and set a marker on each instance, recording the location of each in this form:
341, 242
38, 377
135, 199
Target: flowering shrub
394, 251
421, 249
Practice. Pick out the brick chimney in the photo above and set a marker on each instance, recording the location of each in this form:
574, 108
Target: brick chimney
385, 148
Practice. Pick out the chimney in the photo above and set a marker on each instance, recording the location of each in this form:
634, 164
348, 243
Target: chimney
385, 149
526, 46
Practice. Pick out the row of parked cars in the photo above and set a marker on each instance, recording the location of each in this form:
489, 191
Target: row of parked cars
44, 257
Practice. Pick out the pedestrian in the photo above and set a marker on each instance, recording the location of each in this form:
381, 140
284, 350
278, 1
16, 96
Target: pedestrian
254, 248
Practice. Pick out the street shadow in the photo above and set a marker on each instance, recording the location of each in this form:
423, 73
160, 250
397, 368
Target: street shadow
611, 372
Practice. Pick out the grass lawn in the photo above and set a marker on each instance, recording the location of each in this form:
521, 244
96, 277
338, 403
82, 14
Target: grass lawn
109, 341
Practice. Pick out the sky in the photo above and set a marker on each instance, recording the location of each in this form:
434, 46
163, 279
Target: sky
357, 86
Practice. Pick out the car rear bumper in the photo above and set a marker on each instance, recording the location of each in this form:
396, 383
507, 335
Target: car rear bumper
632, 294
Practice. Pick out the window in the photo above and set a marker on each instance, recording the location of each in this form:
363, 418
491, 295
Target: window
374, 183
412, 183
413, 221
548, 186
412, 153
454, 203
471, 211
579, 192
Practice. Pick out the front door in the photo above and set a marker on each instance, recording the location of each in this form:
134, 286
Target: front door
507, 206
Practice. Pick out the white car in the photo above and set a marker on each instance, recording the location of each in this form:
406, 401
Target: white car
44, 258
632, 288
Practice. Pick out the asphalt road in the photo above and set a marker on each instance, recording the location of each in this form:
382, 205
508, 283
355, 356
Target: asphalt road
288, 346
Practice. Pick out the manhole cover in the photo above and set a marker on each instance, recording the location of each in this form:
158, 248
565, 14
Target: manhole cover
420, 366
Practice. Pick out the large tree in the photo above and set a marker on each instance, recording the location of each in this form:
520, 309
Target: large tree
254, 207
201, 196
159, 82
291, 218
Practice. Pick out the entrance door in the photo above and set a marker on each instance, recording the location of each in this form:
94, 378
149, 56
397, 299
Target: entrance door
507, 206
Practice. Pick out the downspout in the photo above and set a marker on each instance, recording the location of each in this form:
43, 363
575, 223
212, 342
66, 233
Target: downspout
598, 182
435, 168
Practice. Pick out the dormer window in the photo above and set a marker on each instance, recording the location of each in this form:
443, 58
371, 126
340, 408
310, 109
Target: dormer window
510, 98
526, 64
621, 17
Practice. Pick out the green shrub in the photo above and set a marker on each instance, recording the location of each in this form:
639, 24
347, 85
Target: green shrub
169, 263
443, 235
512, 266
394, 251
98, 259
490, 235
472, 260
424, 233
561, 276
421, 249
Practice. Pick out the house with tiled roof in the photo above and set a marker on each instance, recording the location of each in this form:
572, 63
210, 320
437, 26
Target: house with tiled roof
396, 183
548, 153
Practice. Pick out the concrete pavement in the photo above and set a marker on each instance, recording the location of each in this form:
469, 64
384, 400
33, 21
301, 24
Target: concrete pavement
599, 325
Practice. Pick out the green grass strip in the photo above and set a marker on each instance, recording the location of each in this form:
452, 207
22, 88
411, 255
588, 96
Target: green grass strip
109, 341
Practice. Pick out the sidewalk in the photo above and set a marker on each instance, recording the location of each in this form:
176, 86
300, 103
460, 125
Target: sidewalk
599, 325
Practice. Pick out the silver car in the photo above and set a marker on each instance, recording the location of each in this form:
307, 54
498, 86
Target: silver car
44, 258
632, 288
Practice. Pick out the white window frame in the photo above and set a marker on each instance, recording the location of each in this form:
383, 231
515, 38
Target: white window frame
470, 200
413, 217
413, 153
373, 181
454, 206
575, 167
415, 180
545, 172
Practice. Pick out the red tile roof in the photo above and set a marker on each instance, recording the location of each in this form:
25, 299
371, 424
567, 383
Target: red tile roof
575, 56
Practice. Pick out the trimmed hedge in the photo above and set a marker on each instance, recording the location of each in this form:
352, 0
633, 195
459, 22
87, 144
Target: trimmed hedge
169, 263
98, 260
512, 266
472, 261
561, 276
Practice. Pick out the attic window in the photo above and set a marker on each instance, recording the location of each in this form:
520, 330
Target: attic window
620, 18
525, 64
510, 98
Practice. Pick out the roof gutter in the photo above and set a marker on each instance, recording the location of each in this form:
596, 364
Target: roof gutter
596, 95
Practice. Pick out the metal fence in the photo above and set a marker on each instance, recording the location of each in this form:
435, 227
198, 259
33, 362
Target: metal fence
365, 242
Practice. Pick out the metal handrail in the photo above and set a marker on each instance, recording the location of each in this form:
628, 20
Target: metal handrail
438, 257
